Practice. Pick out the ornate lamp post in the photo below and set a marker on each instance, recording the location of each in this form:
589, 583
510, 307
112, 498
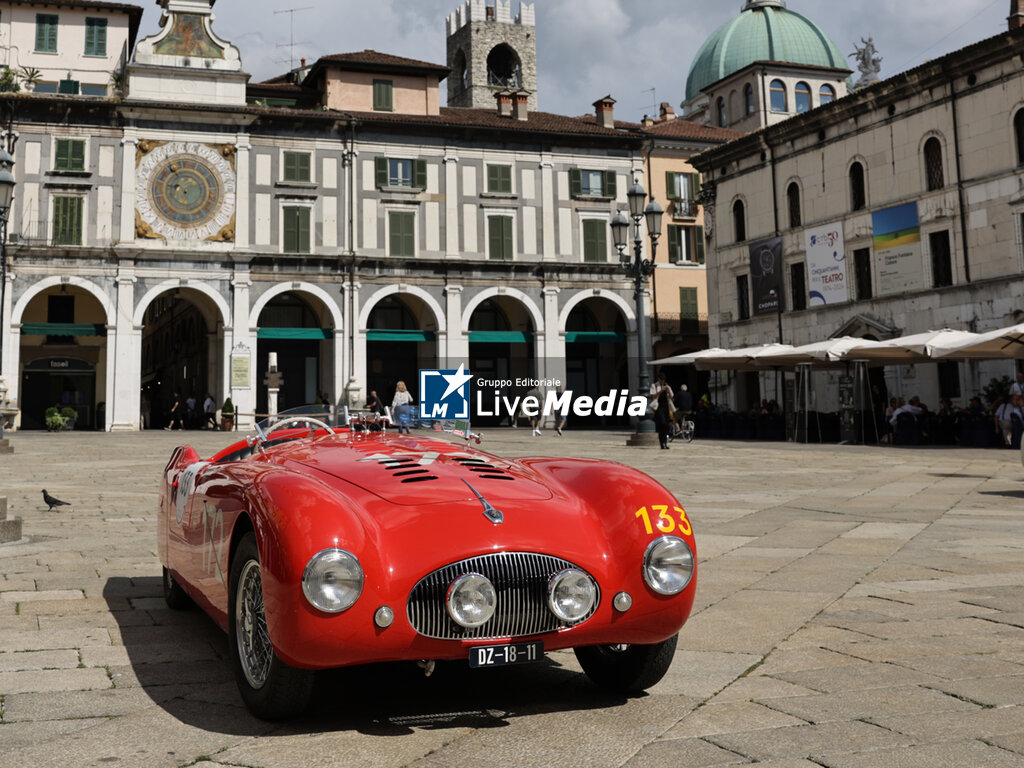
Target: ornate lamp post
637, 268
6, 198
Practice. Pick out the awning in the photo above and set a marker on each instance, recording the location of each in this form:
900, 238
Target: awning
993, 345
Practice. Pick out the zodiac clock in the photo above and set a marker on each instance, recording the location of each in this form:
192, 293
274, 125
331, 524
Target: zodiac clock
184, 191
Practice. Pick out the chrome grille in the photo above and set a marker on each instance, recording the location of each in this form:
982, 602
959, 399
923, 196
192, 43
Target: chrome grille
521, 582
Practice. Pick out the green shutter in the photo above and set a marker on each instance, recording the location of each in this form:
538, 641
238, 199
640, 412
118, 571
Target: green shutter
402, 234
382, 96
688, 303
674, 234
670, 185
595, 241
575, 183
500, 237
695, 186
382, 171
95, 37
420, 174
609, 184
304, 229
69, 155
296, 230
67, 220
492, 178
499, 179
78, 155
46, 32
296, 166
698, 237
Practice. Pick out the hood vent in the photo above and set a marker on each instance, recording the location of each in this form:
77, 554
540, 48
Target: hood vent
409, 471
481, 468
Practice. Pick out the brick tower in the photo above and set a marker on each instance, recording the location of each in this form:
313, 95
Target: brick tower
489, 51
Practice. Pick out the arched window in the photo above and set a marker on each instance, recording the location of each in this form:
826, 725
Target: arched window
748, 98
721, 111
826, 94
739, 221
1018, 130
803, 97
504, 69
858, 199
778, 96
793, 197
934, 177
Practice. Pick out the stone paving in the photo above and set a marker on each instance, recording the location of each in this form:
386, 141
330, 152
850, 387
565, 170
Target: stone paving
858, 607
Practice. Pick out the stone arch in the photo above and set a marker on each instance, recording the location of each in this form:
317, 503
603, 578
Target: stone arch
86, 285
628, 312
168, 285
333, 311
536, 316
412, 290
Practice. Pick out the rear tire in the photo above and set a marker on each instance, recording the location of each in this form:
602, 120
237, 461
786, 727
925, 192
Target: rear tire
174, 594
627, 669
271, 689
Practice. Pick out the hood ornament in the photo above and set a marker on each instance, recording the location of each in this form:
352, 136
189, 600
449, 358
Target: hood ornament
496, 516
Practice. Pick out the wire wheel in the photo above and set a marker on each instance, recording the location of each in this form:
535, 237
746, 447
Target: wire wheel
254, 649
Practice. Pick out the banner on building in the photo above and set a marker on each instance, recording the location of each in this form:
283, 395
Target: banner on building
766, 275
826, 265
897, 241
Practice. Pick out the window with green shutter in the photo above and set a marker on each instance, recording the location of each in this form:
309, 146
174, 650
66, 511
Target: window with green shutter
402, 233
682, 186
67, 220
383, 91
395, 172
296, 166
95, 37
499, 230
595, 240
46, 33
698, 244
499, 179
69, 155
689, 318
296, 229
591, 183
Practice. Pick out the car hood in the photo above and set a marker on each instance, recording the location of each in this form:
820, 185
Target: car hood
416, 471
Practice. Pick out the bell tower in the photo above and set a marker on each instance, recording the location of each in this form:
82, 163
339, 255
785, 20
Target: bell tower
489, 51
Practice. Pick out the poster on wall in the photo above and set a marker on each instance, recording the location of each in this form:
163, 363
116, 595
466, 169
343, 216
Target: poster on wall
766, 275
826, 265
897, 241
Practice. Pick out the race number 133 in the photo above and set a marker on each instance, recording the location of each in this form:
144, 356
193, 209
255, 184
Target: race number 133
665, 518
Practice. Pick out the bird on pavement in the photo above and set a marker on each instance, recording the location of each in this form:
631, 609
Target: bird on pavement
52, 502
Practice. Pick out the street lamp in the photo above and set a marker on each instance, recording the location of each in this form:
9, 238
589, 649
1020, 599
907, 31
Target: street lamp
6, 197
637, 268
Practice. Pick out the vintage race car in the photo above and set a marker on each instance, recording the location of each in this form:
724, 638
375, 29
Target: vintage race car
316, 546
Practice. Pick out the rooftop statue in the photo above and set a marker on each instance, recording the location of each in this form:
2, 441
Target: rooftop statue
868, 62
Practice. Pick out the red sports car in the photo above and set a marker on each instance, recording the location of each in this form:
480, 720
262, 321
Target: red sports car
315, 547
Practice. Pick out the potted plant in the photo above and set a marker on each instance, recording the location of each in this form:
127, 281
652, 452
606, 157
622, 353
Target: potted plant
70, 416
227, 415
55, 422
30, 76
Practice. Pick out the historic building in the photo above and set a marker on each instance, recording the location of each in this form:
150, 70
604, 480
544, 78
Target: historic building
170, 239
895, 210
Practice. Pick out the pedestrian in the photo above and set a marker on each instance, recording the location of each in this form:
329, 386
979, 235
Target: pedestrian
145, 411
535, 419
1005, 415
559, 415
209, 412
191, 411
373, 403
660, 397
1017, 388
401, 407
176, 412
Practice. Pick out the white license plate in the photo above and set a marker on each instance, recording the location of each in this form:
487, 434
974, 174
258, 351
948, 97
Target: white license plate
502, 655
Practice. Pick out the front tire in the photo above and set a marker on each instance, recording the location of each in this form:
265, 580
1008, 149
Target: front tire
629, 668
271, 689
174, 594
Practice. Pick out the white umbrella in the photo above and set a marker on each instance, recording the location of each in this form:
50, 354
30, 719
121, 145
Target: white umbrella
903, 349
993, 345
687, 358
742, 359
818, 353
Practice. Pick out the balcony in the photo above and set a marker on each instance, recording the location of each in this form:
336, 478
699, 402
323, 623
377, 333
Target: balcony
672, 324
685, 209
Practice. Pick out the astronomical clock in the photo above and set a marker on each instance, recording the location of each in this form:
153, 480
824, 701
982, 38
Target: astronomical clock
185, 191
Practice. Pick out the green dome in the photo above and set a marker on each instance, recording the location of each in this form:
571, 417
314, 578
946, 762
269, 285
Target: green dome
764, 31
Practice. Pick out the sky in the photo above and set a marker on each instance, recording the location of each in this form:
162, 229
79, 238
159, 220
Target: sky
638, 51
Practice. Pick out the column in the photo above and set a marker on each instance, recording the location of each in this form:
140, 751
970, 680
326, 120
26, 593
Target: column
239, 342
451, 206
124, 358
129, 143
242, 196
548, 210
554, 338
458, 337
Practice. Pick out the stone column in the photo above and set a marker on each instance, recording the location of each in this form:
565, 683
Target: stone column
129, 142
242, 197
239, 340
457, 337
124, 359
451, 206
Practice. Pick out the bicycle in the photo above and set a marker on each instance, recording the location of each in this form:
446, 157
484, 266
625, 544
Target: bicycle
682, 430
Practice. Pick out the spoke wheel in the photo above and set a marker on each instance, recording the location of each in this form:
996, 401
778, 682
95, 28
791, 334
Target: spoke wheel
271, 689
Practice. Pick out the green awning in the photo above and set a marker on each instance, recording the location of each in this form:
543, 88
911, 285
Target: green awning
296, 334
581, 337
63, 329
505, 337
400, 335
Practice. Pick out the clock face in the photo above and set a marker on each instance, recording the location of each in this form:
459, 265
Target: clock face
185, 191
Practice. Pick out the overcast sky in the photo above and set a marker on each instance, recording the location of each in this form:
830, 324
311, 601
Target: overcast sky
589, 48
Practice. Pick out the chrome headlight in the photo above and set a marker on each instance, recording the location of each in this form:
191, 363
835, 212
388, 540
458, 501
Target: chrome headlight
471, 600
571, 595
668, 565
333, 580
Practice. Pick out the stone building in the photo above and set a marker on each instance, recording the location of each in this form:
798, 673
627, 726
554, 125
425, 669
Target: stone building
171, 239
896, 210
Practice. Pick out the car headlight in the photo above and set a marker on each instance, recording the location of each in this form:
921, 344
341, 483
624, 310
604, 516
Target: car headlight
668, 565
471, 600
333, 580
571, 595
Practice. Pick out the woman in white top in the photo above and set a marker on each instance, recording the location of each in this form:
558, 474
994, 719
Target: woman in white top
400, 405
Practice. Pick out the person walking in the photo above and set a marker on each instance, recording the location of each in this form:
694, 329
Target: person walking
536, 418
176, 412
401, 408
210, 412
373, 403
559, 415
661, 395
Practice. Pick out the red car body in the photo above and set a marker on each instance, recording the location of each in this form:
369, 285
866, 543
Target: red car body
406, 506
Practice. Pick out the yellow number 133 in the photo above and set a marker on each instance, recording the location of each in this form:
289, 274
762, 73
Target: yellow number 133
665, 521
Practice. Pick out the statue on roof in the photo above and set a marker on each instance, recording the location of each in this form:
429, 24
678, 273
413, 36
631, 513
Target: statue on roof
868, 62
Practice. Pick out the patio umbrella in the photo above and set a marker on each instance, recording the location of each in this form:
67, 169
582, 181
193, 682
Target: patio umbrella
901, 350
687, 358
819, 353
993, 345
742, 359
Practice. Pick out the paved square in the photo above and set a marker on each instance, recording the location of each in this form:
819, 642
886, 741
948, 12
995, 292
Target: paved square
857, 606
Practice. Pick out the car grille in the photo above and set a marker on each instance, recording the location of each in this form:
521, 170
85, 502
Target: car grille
521, 582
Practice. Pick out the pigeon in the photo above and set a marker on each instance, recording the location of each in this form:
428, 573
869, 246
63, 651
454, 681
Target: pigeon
52, 502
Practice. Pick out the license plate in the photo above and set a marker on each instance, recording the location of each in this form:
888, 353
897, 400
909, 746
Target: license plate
502, 655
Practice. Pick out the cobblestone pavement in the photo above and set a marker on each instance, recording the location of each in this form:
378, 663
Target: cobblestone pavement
857, 607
